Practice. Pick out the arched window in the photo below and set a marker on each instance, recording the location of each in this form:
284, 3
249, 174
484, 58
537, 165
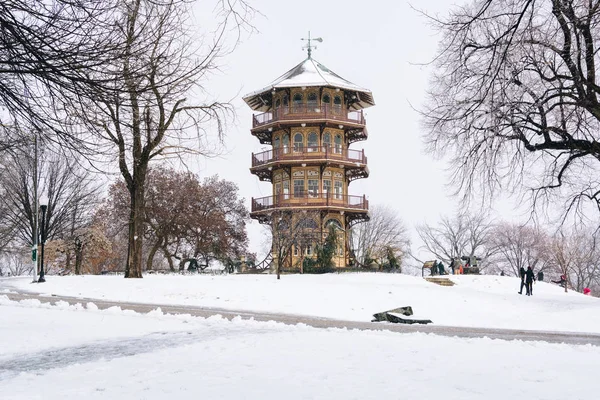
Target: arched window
298, 142
313, 142
276, 147
327, 141
338, 144
297, 102
312, 102
307, 223
337, 104
286, 143
277, 108
286, 101
326, 99
333, 222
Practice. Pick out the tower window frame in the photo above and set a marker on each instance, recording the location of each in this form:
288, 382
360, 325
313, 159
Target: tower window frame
298, 142
298, 188
312, 144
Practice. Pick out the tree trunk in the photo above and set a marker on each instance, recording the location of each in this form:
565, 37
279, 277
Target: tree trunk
133, 268
153, 251
68, 261
78, 261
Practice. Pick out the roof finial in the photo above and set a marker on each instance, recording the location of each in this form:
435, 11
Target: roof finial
309, 46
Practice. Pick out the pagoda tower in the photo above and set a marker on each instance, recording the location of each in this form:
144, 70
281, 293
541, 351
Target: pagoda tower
309, 116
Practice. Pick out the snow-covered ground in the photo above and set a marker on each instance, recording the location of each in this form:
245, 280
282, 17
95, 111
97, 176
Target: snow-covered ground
74, 352
475, 301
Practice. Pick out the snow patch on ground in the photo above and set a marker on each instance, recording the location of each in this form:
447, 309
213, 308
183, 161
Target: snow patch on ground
74, 352
475, 301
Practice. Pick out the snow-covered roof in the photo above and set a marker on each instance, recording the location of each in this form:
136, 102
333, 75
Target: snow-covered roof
309, 73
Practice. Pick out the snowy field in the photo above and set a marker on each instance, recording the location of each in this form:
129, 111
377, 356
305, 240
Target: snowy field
74, 352
475, 301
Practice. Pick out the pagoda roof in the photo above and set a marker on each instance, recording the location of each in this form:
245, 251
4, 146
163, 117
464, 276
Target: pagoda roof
309, 73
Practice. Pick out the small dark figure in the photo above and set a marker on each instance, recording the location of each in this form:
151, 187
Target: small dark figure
441, 269
434, 268
522, 276
540, 276
529, 278
501, 273
453, 265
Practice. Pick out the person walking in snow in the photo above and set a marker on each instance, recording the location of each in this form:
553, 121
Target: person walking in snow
529, 278
522, 274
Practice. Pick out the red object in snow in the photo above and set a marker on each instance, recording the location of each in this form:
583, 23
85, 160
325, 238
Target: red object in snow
587, 291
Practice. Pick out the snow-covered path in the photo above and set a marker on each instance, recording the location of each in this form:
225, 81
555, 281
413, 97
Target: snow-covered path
451, 331
475, 301
74, 352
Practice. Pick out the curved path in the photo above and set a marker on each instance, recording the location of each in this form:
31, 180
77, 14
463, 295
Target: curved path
464, 332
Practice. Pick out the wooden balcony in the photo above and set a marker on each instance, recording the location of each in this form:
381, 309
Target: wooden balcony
354, 161
305, 112
303, 154
307, 200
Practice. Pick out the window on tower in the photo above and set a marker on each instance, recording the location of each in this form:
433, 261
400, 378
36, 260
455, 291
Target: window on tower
313, 142
298, 187
338, 144
326, 187
313, 187
338, 190
327, 141
276, 147
286, 102
297, 102
286, 143
298, 142
337, 104
286, 190
312, 102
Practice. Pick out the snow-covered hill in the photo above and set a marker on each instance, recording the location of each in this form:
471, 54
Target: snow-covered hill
476, 301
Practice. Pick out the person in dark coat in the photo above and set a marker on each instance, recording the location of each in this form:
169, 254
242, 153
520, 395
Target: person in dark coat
529, 278
452, 265
434, 268
441, 269
522, 274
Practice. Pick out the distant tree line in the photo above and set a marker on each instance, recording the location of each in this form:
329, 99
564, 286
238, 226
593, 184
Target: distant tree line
507, 247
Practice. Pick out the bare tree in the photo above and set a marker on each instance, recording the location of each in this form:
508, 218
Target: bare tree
519, 246
576, 255
515, 99
384, 232
464, 235
152, 117
71, 194
49, 52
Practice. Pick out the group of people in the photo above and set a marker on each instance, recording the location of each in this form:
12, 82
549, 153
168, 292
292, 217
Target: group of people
527, 279
438, 268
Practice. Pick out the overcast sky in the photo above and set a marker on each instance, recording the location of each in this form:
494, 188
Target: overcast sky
377, 45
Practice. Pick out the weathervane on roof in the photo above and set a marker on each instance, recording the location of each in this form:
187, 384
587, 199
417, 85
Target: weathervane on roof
309, 46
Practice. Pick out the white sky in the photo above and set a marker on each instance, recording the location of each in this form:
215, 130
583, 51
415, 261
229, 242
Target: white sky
378, 46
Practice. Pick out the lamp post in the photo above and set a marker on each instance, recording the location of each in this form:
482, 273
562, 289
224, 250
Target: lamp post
43, 206
34, 233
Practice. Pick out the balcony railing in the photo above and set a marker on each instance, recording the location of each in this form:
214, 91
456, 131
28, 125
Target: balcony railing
308, 111
307, 153
307, 198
